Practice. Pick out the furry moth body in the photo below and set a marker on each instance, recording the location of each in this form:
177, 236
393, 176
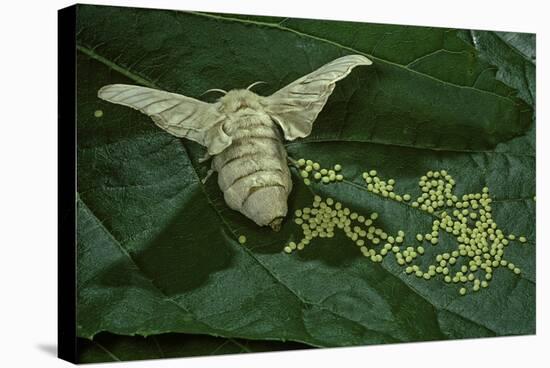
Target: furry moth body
244, 132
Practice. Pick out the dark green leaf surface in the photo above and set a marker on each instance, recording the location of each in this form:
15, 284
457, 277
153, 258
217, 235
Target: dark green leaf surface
512, 54
157, 249
513, 58
107, 347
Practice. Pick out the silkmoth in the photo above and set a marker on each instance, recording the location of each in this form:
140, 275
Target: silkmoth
242, 132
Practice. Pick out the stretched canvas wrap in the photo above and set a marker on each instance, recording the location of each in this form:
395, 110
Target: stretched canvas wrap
253, 183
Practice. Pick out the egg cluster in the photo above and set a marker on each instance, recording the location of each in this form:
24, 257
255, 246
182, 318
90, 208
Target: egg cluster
384, 188
325, 216
310, 170
437, 191
478, 244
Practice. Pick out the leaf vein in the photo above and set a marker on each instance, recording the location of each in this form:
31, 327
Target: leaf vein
303, 34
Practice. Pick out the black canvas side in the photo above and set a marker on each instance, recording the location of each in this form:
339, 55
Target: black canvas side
66, 225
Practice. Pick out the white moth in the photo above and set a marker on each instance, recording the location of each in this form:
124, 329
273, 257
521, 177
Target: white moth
242, 132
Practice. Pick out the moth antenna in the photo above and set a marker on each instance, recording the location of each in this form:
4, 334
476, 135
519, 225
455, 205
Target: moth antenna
214, 90
254, 84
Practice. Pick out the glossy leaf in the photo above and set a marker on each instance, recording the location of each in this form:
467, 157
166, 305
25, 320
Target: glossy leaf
158, 250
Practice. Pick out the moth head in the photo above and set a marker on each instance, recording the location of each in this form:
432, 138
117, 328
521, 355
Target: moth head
239, 99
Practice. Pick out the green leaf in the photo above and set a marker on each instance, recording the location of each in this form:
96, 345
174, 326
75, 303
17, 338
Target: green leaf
107, 347
158, 251
513, 54
513, 57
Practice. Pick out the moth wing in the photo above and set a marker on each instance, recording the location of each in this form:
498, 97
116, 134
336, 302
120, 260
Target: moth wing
179, 115
296, 106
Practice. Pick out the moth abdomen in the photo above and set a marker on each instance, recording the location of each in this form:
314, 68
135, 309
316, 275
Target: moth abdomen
267, 206
252, 172
242, 189
244, 167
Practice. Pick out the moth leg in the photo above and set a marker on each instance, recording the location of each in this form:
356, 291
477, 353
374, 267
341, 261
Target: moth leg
292, 162
276, 224
208, 175
204, 158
